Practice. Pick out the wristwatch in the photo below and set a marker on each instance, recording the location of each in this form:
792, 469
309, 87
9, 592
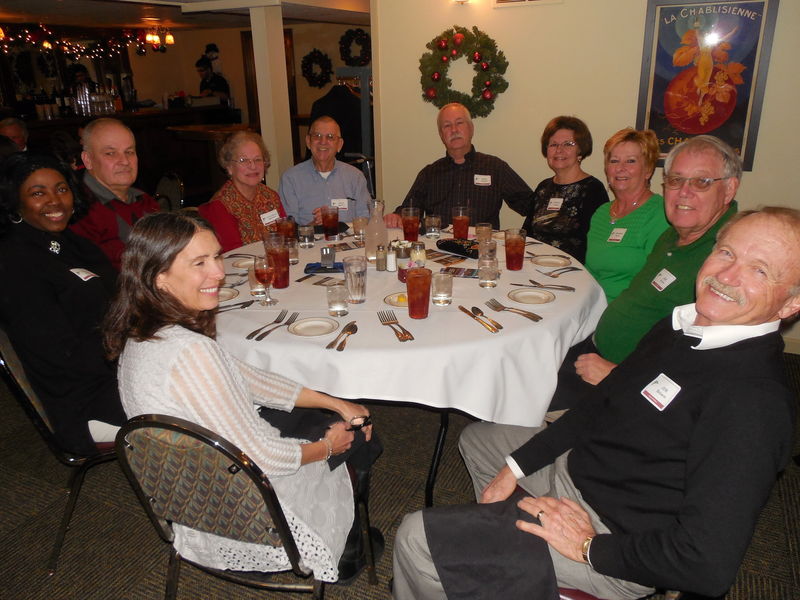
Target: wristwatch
585, 548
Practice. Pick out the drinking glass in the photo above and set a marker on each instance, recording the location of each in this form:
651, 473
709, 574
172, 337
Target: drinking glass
433, 226
483, 231
359, 226
278, 256
442, 289
515, 249
410, 217
264, 273
330, 223
418, 254
306, 233
355, 275
287, 228
487, 249
337, 299
461, 222
418, 290
291, 246
488, 272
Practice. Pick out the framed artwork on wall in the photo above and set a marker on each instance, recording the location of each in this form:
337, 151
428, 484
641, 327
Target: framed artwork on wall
704, 70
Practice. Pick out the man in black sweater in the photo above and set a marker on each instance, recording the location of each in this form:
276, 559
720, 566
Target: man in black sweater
658, 478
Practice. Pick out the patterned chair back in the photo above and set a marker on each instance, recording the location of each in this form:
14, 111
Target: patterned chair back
186, 474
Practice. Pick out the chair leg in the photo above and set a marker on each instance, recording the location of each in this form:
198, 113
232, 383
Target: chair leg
74, 488
319, 590
444, 422
173, 572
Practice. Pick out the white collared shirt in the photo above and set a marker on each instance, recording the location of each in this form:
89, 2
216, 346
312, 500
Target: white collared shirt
716, 336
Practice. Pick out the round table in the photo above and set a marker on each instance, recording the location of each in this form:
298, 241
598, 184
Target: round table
453, 362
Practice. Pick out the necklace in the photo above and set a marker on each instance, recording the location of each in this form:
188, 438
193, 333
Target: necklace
614, 216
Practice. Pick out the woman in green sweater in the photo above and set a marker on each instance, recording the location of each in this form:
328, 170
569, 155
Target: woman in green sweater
622, 233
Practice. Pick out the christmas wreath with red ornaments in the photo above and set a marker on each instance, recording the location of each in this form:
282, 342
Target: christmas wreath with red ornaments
481, 51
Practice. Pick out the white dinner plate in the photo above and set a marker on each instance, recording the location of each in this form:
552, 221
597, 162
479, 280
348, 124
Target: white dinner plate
313, 326
531, 296
551, 261
226, 294
242, 263
398, 299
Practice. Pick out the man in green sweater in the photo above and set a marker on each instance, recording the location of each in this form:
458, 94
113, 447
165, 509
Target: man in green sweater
701, 176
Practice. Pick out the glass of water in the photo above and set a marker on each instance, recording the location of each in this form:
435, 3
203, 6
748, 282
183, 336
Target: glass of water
433, 226
337, 299
442, 289
355, 276
488, 272
306, 234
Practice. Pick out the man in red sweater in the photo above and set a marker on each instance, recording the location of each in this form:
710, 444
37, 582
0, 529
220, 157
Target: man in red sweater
109, 154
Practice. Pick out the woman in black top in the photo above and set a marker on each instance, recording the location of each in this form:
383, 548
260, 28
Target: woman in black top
56, 289
563, 205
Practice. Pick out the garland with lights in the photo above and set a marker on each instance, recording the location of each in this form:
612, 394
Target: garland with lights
360, 37
320, 59
481, 51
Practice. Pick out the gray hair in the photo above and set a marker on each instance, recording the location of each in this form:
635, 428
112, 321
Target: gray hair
451, 105
230, 147
731, 162
90, 129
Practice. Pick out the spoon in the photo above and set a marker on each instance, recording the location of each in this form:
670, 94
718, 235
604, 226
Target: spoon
349, 330
479, 313
344, 330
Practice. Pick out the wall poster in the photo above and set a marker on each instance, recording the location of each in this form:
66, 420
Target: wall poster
704, 70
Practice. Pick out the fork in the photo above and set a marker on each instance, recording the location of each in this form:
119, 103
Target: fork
292, 318
496, 306
556, 272
387, 320
278, 319
392, 320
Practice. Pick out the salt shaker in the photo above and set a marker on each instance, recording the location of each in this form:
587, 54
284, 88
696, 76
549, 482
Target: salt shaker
391, 260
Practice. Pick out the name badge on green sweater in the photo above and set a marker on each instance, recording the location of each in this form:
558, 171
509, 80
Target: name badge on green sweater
663, 280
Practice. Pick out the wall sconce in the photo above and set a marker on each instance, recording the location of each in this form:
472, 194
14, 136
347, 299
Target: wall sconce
460, 1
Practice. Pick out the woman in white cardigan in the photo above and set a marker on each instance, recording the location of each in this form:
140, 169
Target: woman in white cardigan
162, 328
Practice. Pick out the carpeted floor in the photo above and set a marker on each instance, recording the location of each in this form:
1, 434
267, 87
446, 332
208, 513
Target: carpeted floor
112, 551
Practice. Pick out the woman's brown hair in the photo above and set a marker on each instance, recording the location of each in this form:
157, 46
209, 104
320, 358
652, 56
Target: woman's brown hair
140, 309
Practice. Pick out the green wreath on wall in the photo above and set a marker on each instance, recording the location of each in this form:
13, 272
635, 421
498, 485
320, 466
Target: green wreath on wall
319, 59
360, 37
481, 51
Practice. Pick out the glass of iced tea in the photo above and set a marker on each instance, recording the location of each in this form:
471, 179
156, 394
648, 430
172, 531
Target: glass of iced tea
461, 222
515, 249
278, 257
410, 217
264, 273
330, 223
418, 290
287, 228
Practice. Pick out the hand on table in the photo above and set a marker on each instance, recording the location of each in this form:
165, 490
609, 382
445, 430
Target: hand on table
564, 524
393, 221
501, 487
593, 368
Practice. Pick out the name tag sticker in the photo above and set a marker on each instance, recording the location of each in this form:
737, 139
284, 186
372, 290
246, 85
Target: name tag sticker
663, 280
555, 204
661, 391
617, 234
340, 203
482, 179
84, 274
270, 217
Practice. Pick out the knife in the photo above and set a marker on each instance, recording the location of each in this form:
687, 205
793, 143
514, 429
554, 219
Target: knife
244, 304
482, 322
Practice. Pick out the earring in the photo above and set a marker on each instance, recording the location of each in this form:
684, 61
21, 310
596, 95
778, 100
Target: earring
17, 219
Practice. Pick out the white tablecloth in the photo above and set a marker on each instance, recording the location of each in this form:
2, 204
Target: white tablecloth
507, 377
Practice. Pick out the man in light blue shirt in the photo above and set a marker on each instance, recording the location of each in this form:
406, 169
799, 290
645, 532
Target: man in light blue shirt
324, 181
